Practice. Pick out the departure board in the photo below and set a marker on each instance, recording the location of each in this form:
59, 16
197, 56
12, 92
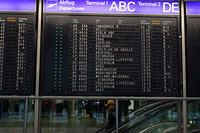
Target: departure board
193, 48
16, 54
17, 47
111, 56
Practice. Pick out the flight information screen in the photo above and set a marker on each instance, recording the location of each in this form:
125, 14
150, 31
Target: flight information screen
17, 47
111, 55
193, 48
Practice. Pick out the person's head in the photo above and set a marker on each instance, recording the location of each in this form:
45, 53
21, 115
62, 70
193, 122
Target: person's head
111, 104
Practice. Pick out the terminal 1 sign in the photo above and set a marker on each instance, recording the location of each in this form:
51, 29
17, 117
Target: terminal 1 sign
112, 6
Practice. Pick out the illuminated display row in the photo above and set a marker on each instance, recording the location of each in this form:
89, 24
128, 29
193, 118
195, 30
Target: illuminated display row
102, 6
112, 6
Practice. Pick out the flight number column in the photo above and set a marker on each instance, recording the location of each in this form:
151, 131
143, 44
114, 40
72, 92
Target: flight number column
2, 37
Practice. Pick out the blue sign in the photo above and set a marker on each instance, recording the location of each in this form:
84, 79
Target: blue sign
193, 8
112, 6
18, 5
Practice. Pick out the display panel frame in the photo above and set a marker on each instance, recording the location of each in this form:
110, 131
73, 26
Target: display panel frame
192, 53
46, 93
32, 14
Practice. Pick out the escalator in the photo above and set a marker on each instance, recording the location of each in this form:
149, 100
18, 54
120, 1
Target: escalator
141, 119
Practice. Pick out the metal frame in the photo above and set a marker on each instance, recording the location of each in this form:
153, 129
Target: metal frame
98, 98
182, 11
25, 116
179, 120
38, 98
117, 115
179, 101
37, 80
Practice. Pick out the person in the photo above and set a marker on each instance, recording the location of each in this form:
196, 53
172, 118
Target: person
123, 109
89, 109
111, 114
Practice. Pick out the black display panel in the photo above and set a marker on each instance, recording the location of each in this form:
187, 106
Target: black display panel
193, 54
17, 54
111, 56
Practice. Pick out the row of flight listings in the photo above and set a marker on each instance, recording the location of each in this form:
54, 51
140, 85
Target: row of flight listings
91, 54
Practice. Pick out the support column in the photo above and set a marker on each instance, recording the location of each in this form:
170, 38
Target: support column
25, 116
183, 66
37, 101
117, 116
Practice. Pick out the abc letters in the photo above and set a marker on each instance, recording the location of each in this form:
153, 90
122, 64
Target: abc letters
123, 6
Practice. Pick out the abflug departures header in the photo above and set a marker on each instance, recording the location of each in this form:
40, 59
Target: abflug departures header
112, 6
18, 5
193, 8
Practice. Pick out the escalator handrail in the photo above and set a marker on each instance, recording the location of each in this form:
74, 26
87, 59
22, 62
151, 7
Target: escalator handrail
151, 116
173, 104
138, 111
160, 125
146, 113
